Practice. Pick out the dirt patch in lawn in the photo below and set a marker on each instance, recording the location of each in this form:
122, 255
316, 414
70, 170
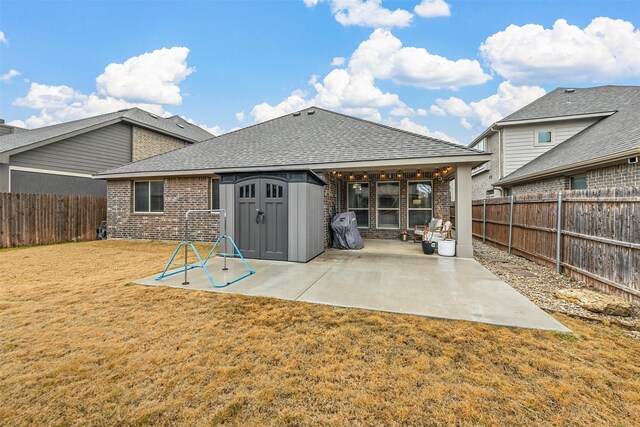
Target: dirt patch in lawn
79, 346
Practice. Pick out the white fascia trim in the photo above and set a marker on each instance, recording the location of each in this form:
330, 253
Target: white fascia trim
556, 119
474, 160
49, 172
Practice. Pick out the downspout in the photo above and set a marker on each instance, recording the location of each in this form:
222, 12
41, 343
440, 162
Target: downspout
500, 162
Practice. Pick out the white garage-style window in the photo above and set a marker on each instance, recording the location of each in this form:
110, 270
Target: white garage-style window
419, 203
358, 202
148, 196
388, 205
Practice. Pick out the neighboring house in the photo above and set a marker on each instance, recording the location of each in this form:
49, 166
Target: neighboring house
60, 159
567, 139
282, 181
6, 129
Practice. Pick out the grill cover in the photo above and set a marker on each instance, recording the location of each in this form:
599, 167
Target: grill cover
345, 231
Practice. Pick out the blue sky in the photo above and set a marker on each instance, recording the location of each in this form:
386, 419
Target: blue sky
445, 68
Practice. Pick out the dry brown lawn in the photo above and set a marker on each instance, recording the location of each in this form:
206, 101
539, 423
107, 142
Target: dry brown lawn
78, 346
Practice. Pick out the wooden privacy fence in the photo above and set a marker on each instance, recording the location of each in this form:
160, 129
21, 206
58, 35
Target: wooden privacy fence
597, 231
38, 219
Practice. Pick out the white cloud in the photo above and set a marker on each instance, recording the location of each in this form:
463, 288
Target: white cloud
432, 8
384, 56
437, 111
605, 49
3, 39
366, 13
9, 75
353, 89
338, 61
265, 111
485, 112
150, 77
240, 116
411, 126
160, 70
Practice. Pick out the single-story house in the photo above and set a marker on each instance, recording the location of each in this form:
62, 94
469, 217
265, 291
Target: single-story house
282, 181
570, 138
60, 159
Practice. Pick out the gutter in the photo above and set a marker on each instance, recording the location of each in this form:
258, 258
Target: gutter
576, 166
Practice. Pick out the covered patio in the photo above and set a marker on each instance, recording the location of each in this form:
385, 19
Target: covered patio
386, 275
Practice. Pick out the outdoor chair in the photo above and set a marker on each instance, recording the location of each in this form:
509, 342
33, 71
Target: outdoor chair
433, 229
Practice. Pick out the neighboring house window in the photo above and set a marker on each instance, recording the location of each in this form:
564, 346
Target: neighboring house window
358, 202
420, 203
148, 196
545, 137
388, 204
490, 193
579, 182
215, 194
480, 145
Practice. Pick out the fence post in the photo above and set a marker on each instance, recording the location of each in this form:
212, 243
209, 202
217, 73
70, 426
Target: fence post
484, 220
510, 224
559, 235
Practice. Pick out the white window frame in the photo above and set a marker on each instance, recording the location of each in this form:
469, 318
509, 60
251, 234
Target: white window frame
149, 181
544, 144
378, 208
368, 209
409, 208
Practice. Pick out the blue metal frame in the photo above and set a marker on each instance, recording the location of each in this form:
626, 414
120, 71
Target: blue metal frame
202, 263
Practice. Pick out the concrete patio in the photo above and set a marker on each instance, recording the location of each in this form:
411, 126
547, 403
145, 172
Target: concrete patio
388, 276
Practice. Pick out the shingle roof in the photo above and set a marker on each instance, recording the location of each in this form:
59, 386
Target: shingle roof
310, 137
617, 134
569, 102
169, 126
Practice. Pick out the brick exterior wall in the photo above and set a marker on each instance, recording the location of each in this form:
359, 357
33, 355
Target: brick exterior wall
441, 202
147, 143
621, 175
180, 194
330, 203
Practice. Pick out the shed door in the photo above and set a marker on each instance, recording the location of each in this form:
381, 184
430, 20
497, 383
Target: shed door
262, 225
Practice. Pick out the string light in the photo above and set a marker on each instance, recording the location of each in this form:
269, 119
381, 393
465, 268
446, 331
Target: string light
365, 176
418, 173
399, 174
351, 176
382, 175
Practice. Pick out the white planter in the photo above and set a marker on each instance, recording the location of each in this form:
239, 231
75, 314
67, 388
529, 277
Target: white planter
447, 247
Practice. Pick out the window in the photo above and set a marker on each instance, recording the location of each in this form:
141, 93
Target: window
579, 182
248, 191
388, 204
215, 194
480, 145
148, 196
358, 202
419, 203
545, 137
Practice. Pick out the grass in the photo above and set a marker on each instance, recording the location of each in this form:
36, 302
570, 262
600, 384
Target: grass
79, 347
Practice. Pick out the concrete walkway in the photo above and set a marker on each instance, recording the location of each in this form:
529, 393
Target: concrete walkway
386, 276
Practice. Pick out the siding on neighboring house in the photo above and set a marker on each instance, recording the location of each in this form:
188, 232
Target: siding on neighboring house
147, 143
88, 153
520, 142
485, 175
44, 183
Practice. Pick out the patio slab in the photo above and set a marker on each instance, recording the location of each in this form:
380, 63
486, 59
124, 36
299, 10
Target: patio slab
388, 276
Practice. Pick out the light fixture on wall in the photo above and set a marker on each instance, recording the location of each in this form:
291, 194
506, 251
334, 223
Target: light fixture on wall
352, 176
365, 176
418, 173
436, 173
382, 175
399, 175
339, 174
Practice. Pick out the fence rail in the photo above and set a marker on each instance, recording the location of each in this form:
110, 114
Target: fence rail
37, 219
592, 235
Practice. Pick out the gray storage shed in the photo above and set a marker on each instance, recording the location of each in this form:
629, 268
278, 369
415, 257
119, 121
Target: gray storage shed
275, 215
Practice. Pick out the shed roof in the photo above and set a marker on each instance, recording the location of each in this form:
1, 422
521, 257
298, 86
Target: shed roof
313, 136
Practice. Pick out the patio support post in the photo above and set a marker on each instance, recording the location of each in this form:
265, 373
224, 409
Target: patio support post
464, 245
559, 235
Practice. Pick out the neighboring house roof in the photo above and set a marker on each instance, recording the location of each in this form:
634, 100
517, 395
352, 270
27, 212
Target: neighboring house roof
310, 138
173, 126
613, 137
